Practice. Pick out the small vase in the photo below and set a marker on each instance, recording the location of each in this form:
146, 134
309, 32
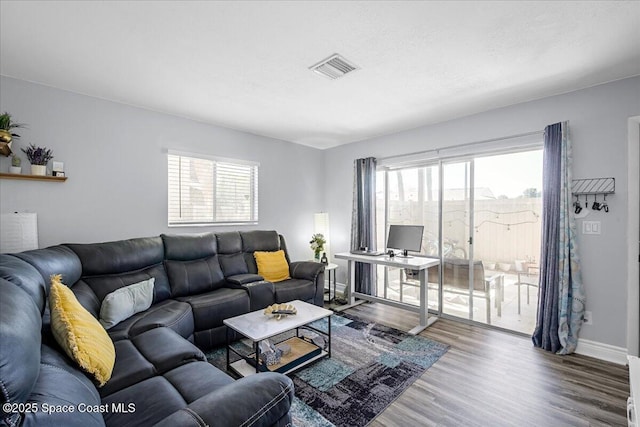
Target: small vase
15, 169
316, 257
5, 142
39, 170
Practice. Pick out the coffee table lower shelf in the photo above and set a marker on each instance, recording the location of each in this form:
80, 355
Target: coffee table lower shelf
244, 369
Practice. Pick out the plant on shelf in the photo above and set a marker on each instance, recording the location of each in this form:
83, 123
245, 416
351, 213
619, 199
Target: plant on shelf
38, 157
16, 164
6, 136
317, 245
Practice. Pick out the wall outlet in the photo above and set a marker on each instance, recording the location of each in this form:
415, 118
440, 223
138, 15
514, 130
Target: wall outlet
588, 318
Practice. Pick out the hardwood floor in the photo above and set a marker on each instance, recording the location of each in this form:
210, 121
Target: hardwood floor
492, 378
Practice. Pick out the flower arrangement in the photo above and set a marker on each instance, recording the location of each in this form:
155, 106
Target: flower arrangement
317, 244
38, 155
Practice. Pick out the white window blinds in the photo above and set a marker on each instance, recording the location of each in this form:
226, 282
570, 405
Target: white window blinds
208, 190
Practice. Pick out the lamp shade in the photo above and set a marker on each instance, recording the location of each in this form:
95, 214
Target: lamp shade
18, 232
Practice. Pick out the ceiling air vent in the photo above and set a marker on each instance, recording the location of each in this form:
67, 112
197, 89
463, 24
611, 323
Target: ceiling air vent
333, 67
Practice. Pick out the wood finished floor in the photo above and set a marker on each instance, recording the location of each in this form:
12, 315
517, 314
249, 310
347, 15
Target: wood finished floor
492, 378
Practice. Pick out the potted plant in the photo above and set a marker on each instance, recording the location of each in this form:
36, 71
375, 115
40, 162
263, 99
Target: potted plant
16, 163
38, 157
6, 136
317, 245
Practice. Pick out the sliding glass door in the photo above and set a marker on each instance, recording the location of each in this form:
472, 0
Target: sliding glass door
457, 209
507, 210
481, 217
412, 198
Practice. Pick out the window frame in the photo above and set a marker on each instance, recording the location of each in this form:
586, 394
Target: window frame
252, 175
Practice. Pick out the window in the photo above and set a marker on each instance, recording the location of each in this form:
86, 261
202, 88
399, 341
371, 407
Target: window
207, 190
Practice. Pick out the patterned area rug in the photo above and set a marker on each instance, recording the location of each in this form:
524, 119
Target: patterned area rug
370, 366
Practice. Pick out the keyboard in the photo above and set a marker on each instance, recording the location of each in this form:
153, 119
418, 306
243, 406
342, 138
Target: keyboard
367, 253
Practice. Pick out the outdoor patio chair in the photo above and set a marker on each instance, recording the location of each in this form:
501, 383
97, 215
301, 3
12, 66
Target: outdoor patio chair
529, 276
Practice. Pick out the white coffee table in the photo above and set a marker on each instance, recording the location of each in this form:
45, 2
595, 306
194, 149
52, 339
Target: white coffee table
257, 327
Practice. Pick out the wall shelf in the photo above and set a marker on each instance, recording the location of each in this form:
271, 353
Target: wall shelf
594, 186
32, 177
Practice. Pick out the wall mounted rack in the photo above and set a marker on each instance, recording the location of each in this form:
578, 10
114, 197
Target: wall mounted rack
593, 186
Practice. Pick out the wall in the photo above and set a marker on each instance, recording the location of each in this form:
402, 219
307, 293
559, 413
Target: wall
115, 158
598, 126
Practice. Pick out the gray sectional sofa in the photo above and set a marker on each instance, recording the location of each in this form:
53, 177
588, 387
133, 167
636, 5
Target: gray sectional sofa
161, 376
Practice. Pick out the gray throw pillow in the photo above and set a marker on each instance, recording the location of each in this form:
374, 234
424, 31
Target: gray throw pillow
123, 303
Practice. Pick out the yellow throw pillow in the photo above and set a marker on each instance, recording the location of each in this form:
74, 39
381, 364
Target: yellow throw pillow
272, 266
79, 333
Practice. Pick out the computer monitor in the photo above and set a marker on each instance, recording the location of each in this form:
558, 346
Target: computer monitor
406, 238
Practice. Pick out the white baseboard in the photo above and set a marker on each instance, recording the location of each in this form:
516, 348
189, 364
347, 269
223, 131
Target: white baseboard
602, 351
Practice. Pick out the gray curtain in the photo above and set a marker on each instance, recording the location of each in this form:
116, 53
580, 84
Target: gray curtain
363, 221
561, 303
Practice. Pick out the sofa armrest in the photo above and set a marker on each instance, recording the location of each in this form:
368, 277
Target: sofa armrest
306, 270
258, 400
313, 271
261, 293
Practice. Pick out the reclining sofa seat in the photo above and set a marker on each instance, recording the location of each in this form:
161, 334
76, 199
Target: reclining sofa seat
157, 369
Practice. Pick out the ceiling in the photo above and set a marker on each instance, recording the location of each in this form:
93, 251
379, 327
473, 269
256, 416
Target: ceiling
245, 65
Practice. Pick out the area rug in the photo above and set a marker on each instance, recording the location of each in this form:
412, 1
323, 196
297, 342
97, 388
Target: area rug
370, 366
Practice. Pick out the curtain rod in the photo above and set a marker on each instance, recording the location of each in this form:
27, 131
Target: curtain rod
466, 144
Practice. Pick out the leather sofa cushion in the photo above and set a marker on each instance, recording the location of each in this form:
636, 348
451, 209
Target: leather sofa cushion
131, 367
194, 277
230, 251
210, 309
61, 383
54, 260
271, 396
257, 240
233, 264
19, 343
196, 379
189, 247
177, 387
117, 257
104, 285
166, 350
229, 242
173, 314
154, 399
25, 276
260, 240
151, 353
293, 289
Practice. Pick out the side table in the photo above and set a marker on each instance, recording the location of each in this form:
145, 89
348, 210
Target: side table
331, 271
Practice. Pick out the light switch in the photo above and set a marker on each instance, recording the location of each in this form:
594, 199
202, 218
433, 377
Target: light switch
590, 227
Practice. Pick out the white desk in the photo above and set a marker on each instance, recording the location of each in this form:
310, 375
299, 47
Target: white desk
416, 263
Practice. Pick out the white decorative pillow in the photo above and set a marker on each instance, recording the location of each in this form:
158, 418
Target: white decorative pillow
123, 303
